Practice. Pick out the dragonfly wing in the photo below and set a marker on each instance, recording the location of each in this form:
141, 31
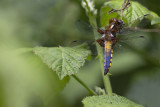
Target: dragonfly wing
127, 31
101, 42
83, 27
90, 43
114, 41
108, 56
123, 42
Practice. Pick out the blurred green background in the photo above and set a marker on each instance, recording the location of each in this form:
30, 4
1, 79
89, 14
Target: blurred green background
26, 82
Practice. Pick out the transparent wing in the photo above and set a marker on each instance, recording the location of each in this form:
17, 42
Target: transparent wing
86, 32
137, 40
86, 28
83, 27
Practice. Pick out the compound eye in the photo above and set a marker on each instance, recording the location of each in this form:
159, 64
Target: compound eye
120, 22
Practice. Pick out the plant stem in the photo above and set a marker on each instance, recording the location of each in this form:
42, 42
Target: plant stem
84, 85
106, 80
93, 23
107, 84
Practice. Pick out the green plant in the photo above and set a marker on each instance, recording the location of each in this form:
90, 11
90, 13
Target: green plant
65, 62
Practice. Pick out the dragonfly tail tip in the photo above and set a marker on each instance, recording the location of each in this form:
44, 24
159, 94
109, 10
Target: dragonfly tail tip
105, 72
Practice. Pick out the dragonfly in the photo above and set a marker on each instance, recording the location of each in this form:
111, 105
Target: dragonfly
112, 34
108, 40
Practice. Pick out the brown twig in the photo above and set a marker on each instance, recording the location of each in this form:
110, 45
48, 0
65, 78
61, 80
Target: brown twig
125, 5
147, 30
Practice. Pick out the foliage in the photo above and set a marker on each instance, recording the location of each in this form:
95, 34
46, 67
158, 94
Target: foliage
108, 101
35, 32
65, 61
134, 14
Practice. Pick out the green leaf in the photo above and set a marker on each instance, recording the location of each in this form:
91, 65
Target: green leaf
104, 20
136, 12
155, 21
64, 60
154, 14
108, 101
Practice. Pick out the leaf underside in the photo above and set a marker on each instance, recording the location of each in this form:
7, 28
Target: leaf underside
108, 101
64, 60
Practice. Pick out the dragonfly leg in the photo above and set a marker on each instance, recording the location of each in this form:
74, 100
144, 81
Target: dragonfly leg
100, 31
101, 42
114, 40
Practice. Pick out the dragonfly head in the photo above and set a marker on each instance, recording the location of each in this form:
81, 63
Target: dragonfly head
116, 24
120, 23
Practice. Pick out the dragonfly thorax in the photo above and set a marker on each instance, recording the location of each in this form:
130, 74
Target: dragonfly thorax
109, 34
114, 25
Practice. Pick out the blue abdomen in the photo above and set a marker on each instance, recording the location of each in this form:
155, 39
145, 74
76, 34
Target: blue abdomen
107, 57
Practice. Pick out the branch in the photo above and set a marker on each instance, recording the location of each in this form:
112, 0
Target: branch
147, 30
125, 5
84, 85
